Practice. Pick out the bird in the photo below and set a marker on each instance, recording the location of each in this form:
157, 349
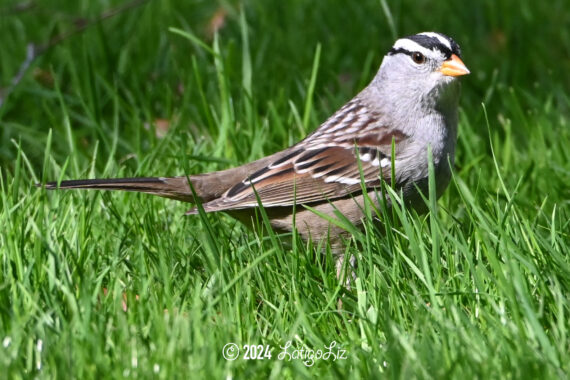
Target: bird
410, 107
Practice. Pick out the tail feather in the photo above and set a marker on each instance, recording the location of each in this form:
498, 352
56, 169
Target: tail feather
173, 187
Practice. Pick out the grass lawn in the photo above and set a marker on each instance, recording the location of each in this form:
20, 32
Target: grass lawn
125, 285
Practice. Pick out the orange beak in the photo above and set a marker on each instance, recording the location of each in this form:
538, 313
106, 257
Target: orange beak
454, 67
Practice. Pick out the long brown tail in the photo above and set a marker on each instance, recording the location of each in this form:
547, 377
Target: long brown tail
208, 186
173, 187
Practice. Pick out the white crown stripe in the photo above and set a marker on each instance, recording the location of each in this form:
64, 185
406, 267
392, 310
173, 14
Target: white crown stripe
411, 46
440, 38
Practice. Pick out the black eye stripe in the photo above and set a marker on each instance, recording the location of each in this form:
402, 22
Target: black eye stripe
431, 43
400, 50
407, 52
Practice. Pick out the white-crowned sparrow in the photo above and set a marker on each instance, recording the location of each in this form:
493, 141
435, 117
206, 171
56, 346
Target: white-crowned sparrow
412, 101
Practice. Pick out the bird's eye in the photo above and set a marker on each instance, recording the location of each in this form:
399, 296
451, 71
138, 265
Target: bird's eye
418, 57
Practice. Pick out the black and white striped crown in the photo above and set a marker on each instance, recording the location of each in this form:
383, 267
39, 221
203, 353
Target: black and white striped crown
426, 43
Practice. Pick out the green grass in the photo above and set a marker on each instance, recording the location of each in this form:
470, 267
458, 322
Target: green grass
477, 288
